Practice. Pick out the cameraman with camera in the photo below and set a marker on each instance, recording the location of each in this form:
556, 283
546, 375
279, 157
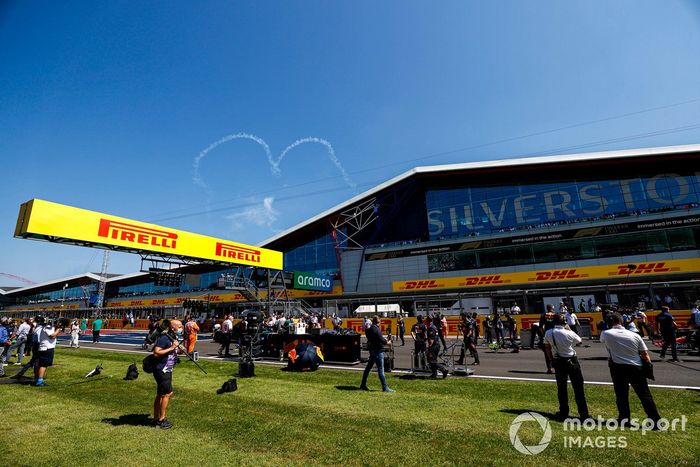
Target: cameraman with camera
165, 353
45, 334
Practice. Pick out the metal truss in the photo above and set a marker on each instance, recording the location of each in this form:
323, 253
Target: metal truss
348, 224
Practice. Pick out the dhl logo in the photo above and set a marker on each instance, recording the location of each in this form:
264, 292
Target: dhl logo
556, 275
641, 268
226, 250
431, 284
484, 280
160, 301
136, 234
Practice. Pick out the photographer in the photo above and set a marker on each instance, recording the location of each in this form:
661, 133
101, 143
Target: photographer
45, 334
165, 351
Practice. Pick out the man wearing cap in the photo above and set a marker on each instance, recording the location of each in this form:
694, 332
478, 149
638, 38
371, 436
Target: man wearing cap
165, 351
45, 335
559, 345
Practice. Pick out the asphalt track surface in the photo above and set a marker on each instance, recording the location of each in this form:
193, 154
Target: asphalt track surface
527, 365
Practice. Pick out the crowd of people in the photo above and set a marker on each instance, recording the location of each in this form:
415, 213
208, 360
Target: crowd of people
558, 332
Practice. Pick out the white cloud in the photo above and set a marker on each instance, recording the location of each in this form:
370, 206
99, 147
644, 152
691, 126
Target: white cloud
262, 215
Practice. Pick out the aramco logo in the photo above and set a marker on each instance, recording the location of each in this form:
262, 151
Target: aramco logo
528, 417
311, 281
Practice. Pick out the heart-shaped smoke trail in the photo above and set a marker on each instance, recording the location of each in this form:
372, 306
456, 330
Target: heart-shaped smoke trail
274, 164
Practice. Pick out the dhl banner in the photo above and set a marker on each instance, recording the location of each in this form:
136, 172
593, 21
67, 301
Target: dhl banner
44, 220
611, 271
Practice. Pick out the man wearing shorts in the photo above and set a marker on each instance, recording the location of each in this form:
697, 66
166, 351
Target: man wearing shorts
165, 351
45, 334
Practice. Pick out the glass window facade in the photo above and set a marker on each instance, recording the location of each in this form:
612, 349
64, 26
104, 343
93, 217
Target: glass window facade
317, 255
69, 293
475, 210
687, 238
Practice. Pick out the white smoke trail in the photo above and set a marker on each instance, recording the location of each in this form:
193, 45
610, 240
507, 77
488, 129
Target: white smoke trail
198, 180
331, 156
274, 164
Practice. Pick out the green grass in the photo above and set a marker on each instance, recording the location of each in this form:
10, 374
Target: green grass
281, 418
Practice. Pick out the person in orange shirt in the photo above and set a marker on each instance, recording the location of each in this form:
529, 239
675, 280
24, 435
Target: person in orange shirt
191, 330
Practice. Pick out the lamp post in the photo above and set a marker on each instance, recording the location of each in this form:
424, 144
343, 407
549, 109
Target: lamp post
63, 299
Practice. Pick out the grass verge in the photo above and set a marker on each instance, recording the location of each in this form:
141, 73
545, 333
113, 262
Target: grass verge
282, 418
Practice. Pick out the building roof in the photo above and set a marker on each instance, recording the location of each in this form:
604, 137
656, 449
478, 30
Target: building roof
47, 284
494, 164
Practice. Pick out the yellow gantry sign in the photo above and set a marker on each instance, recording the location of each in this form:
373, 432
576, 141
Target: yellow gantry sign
44, 220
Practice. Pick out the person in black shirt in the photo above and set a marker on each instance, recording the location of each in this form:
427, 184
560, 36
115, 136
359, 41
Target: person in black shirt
488, 324
475, 329
546, 323
512, 328
418, 332
498, 328
400, 329
375, 345
165, 352
437, 322
434, 350
666, 326
467, 327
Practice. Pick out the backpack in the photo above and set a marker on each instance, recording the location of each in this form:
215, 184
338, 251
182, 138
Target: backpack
132, 372
229, 386
219, 337
149, 363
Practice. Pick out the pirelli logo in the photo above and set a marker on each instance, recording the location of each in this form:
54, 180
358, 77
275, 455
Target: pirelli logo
136, 234
226, 250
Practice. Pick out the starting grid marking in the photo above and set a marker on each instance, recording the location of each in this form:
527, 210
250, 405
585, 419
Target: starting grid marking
406, 372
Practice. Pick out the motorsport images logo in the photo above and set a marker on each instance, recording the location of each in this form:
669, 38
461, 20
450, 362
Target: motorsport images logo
543, 424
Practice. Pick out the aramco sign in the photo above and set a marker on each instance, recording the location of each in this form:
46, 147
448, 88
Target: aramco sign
311, 281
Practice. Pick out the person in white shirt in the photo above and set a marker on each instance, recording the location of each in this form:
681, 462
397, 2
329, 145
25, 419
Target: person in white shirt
628, 324
21, 340
559, 345
46, 335
642, 323
572, 321
627, 350
226, 328
75, 335
563, 308
515, 309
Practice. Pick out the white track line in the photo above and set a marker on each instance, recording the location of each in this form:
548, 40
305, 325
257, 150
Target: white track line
405, 372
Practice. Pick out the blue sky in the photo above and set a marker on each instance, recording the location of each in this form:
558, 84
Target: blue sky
106, 105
